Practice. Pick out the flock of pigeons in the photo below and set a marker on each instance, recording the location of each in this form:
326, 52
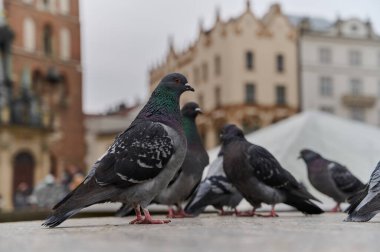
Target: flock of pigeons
160, 159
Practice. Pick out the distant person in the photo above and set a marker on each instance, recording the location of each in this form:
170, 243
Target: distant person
21, 197
48, 193
73, 177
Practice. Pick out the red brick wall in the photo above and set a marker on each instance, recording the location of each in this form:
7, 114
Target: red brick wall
71, 147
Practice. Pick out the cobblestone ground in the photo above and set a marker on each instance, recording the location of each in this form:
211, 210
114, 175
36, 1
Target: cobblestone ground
289, 232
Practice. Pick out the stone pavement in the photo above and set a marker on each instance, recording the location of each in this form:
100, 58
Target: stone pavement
289, 232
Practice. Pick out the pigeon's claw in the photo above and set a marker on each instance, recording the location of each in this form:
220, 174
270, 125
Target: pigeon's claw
148, 219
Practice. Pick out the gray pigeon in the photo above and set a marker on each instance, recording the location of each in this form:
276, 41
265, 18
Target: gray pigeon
190, 173
141, 161
259, 177
330, 178
215, 190
366, 204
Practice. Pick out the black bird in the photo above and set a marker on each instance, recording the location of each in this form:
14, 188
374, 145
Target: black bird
190, 173
330, 178
366, 203
259, 177
141, 161
215, 190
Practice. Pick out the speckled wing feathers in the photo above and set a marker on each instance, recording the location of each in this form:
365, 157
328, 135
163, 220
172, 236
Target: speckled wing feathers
137, 155
343, 178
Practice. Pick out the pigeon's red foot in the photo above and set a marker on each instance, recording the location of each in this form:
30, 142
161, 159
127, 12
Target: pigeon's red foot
138, 215
138, 219
336, 209
245, 213
151, 221
148, 219
271, 214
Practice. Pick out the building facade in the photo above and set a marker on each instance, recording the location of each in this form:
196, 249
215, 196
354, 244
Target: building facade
340, 68
244, 71
41, 129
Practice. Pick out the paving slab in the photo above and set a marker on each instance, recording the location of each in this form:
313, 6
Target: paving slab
209, 232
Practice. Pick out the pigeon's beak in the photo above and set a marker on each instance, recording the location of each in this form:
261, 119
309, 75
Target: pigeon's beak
199, 110
188, 87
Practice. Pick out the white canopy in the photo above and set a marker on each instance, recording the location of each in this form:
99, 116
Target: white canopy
353, 144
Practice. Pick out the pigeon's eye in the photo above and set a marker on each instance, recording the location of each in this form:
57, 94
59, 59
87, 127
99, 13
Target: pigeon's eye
176, 81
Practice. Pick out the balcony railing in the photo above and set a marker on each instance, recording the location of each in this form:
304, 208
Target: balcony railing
360, 101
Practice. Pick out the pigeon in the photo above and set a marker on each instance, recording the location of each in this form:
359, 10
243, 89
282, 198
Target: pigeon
190, 174
330, 178
215, 190
366, 204
259, 177
141, 161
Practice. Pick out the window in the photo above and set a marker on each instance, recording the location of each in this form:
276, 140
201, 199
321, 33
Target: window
356, 87
47, 40
217, 97
218, 65
64, 7
196, 75
327, 109
280, 63
358, 114
29, 34
65, 44
250, 93
280, 95
355, 58
249, 60
325, 55
325, 86
204, 72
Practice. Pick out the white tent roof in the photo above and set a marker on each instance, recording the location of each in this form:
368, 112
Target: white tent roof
353, 144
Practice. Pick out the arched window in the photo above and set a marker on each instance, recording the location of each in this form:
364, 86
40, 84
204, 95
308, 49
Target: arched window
29, 34
47, 37
65, 44
64, 7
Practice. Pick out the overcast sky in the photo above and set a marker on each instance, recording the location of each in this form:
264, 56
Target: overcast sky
121, 39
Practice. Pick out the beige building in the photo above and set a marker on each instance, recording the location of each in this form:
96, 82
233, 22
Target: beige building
244, 71
340, 67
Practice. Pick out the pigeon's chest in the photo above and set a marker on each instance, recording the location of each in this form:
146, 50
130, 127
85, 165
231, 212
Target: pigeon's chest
234, 163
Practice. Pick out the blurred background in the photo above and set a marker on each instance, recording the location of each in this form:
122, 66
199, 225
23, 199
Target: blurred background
74, 73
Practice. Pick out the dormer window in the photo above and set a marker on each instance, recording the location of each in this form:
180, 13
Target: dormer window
354, 27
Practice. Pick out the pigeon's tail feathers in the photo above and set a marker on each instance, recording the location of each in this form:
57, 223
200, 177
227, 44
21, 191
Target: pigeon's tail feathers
202, 197
86, 194
355, 200
303, 205
124, 210
357, 217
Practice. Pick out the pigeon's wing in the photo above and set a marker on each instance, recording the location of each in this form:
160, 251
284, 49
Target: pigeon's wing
344, 179
138, 154
268, 170
209, 192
